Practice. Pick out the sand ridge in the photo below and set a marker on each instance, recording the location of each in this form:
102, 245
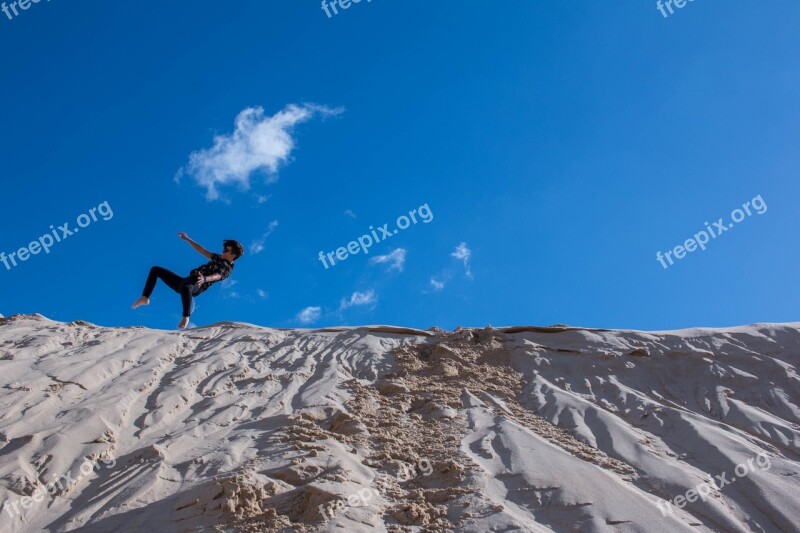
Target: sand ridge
233, 427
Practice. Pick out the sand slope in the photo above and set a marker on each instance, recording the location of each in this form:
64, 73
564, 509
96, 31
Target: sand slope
234, 427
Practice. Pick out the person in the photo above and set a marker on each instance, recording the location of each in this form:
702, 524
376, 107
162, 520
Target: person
199, 279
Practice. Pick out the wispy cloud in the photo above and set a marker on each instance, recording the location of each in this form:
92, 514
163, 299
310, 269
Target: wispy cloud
259, 144
396, 259
309, 315
257, 246
463, 254
359, 299
349, 213
262, 294
229, 292
437, 282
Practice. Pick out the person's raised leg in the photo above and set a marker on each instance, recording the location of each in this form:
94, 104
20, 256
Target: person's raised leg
172, 280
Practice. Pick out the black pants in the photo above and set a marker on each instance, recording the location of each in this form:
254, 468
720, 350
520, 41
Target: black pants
184, 286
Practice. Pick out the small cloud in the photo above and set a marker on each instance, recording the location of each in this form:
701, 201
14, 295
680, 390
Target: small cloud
349, 213
436, 284
227, 285
309, 315
359, 299
259, 144
463, 253
262, 294
261, 198
396, 259
257, 246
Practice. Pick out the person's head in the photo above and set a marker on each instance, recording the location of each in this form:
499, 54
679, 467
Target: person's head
232, 250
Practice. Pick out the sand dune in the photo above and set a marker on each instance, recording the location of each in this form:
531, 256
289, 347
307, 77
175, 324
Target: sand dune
235, 427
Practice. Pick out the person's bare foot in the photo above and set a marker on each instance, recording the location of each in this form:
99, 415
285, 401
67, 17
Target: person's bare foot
184, 323
144, 300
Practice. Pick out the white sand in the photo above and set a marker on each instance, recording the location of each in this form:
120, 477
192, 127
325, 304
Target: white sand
234, 427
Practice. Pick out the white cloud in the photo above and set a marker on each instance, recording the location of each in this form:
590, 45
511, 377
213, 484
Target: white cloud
349, 213
258, 144
262, 294
396, 259
463, 253
309, 315
262, 198
436, 284
257, 246
359, 299
228, 285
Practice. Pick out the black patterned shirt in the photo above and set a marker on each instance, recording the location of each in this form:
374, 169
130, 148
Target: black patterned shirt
217, 265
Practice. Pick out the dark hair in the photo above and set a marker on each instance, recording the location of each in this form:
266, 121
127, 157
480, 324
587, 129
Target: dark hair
235, 246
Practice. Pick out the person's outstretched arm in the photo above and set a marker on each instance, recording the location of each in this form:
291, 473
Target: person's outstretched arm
202, 251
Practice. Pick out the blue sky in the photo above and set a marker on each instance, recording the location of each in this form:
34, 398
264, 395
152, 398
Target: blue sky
557, 145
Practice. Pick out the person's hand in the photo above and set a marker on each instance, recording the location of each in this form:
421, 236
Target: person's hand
200, 279
183, 236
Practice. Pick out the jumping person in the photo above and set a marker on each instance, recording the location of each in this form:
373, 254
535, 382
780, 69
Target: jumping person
199, 279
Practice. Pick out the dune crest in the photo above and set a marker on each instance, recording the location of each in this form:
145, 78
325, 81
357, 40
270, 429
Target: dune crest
234, 427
